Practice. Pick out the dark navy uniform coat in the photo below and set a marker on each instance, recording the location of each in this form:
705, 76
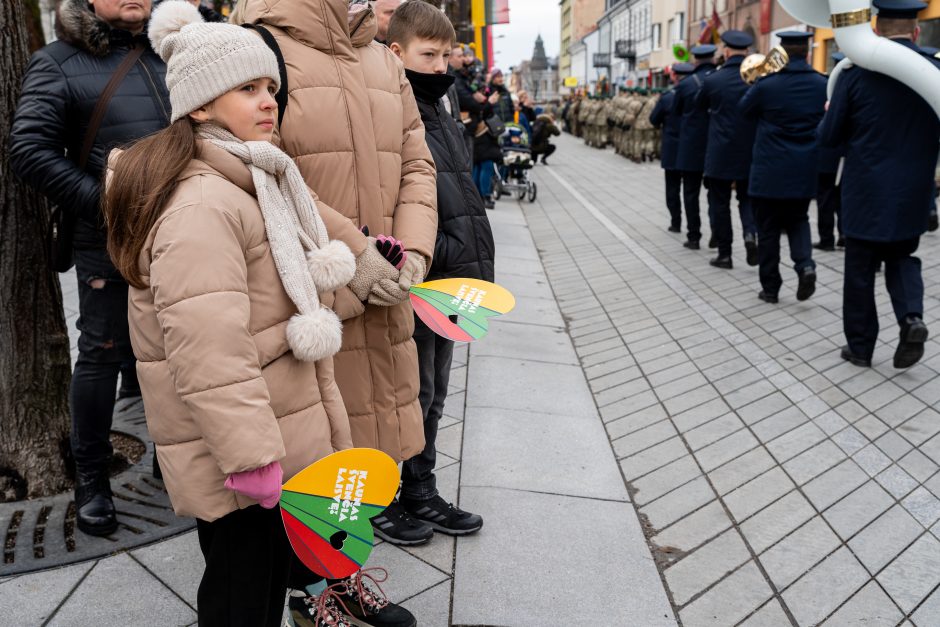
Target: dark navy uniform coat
891, 137
662, 117
787, 106
730, 134
829, 159
693, 130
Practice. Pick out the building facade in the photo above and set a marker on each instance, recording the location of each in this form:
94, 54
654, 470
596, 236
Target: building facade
578, 21
626, 36
668, 27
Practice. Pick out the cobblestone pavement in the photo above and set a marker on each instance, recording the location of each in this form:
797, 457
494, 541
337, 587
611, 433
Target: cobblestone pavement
776, 483
521, 442
648, 442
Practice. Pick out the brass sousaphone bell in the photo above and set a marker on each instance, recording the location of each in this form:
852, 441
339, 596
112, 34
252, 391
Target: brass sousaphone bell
757, 66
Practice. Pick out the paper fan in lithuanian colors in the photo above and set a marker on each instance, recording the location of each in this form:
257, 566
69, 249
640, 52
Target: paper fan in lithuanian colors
327, 506
460, 309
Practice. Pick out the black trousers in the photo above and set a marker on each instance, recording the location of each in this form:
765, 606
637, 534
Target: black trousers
435, 355
548, 151
104, 351
719, 210
691, 188
829, 208
776, 216
902, 278
674, 197
249, 566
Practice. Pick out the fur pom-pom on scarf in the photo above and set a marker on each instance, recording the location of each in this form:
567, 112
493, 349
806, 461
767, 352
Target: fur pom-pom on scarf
306, 260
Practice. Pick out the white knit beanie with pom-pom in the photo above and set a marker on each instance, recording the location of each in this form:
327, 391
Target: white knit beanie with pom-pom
204, 61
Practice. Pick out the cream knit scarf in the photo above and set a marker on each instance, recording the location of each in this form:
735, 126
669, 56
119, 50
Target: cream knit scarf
298, 241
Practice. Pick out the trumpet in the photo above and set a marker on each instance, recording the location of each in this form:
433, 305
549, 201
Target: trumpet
757, 66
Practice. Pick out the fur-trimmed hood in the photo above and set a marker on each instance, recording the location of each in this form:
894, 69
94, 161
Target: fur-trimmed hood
77, 24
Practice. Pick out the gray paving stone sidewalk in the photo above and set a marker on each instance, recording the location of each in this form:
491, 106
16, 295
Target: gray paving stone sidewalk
521, 442
776, 484
648, 443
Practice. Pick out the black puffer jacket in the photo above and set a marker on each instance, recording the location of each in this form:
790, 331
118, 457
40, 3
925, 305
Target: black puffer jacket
62, 84
464, 247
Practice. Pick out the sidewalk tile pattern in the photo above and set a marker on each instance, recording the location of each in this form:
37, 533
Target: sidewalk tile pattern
776, 484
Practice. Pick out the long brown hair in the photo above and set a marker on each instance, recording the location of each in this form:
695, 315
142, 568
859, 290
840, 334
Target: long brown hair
143, 179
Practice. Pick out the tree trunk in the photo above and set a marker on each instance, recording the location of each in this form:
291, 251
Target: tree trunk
34, 25
34, 348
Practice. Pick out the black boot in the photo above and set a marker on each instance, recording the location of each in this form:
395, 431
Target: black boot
911, 345
94, 509
807, 285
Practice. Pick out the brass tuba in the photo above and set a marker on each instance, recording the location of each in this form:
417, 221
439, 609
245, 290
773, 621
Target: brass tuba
757, 66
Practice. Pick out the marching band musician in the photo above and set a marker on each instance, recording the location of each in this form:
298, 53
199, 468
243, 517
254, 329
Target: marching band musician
661, 117
728, 156
891, 136
787, 106
693, 135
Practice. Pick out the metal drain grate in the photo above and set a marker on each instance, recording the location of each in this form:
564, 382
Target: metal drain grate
42, 533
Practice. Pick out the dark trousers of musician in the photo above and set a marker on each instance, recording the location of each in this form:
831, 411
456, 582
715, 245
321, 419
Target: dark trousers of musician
691, 188
674, 197
719, 208
902, 278
776, 216
829, 206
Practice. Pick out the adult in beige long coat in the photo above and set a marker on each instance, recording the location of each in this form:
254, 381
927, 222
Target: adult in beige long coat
353, 128
223, 391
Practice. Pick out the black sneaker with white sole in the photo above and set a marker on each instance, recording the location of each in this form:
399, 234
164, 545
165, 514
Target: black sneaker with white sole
443, 516
397, 526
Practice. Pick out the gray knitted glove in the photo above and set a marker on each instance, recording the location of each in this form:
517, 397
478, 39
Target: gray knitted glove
371, 267
412, 272
387, 293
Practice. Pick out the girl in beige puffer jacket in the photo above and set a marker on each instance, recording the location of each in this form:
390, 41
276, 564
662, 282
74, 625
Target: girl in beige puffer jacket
232, 278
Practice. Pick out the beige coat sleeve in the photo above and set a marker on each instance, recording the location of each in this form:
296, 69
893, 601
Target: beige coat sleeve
415, 221
199, 281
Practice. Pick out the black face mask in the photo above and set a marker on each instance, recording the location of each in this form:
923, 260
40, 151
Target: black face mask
429, 87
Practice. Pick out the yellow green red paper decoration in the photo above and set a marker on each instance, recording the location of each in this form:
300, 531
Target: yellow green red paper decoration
326, 509
460, 309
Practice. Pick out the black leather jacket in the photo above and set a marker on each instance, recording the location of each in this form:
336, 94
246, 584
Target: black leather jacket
60, 88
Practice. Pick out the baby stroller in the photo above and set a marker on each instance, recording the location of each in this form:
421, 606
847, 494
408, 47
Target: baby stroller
513, 176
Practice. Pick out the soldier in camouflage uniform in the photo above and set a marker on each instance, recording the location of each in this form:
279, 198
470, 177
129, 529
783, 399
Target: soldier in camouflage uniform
634, 104
645, 128
583, 112
618, 130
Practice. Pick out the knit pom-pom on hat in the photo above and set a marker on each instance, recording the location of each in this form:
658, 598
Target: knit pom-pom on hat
331, 266
166, 22
315, 336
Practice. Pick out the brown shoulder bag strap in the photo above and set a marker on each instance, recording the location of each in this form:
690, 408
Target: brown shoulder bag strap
101, 107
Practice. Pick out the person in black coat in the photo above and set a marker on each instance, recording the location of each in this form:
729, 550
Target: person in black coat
728, 155
503, 106
890, 135
787, 106
542, 132
693, 137
828, 194
662, 117
61, 86
464, 249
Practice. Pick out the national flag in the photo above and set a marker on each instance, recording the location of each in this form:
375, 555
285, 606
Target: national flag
711, 31
497, 11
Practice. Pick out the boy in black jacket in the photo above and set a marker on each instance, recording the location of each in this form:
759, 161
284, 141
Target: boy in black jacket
423, 38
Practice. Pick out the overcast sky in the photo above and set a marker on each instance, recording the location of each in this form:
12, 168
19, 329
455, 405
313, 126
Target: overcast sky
528, 18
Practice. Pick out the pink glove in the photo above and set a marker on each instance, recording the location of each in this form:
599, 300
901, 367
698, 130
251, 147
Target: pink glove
392, 249
261, 484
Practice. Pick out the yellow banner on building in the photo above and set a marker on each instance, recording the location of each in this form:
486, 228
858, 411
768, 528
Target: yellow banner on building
571, 81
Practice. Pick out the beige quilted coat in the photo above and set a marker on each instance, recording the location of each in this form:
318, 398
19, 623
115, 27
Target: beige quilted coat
354, 130
223, 393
